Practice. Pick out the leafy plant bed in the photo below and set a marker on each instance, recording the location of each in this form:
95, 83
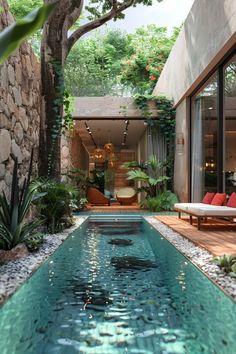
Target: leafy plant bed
13, 274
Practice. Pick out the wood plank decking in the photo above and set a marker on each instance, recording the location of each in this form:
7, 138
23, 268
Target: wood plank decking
113, 208
216, 237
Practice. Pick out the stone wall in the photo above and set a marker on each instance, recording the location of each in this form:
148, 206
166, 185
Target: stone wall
73, 154
19, 108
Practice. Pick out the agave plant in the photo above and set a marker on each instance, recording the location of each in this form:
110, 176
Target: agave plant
150, 173
225, 262
13, 230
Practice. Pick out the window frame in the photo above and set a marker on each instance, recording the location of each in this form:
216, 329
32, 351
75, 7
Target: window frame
219, 71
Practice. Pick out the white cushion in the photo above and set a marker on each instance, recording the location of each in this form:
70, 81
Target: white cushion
206, 209
126, 192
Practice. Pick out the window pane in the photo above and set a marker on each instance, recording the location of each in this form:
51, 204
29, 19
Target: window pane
230, 125
204, 141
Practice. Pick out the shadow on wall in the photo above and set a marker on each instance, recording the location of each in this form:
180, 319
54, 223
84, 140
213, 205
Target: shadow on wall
206, 31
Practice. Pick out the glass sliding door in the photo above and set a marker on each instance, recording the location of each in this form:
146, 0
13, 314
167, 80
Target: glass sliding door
230, 126
204, 140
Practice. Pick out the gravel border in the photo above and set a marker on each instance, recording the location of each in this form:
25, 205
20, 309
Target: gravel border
13, 274
198, 256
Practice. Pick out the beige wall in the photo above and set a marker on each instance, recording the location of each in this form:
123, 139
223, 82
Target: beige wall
208, 33
182, 167
108, 107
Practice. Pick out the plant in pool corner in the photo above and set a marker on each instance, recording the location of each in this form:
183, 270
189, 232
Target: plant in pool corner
165, 123
150, 174
162, 202
13, 229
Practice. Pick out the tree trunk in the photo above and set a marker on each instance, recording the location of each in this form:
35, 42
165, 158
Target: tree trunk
54, 50
52, 80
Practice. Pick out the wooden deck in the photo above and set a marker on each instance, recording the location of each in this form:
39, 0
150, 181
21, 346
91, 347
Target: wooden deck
216, 237
116, 207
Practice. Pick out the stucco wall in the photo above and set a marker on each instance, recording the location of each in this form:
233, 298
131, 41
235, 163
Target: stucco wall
182, 158
208, 33
108, 107
19, 108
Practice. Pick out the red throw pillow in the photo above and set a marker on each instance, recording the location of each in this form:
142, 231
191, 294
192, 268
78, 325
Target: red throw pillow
218, 199
208, 198
232, 200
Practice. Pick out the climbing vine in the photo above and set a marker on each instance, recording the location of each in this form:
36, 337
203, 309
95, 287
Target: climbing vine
165, 122
61, 123
68, 104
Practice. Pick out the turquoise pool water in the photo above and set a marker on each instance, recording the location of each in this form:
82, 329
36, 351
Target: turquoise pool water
93, 296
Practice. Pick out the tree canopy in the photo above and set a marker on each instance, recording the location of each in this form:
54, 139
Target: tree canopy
151, 47
113, 62
93, 65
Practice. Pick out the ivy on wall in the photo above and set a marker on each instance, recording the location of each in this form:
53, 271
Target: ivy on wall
165, 122
67, 102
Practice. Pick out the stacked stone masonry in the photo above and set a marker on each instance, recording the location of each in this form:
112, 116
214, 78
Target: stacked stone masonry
19, 108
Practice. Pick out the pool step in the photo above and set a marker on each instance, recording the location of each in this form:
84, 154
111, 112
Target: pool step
115, 218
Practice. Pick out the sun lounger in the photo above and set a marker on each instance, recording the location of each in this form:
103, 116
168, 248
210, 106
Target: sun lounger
202, 211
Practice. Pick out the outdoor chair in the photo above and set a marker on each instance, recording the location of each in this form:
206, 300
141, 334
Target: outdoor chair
203, 210
95, 197
126, 196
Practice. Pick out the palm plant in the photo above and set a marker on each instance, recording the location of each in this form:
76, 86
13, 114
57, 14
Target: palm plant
150, 174
13, 230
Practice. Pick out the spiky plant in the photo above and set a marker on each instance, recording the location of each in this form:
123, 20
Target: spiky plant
225, 262
13, 230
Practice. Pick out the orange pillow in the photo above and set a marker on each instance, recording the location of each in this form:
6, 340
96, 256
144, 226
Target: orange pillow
208, 198
232, 201
219, 199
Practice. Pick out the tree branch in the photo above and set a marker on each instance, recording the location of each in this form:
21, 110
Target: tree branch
116, 9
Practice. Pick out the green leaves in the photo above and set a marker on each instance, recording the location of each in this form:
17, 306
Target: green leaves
12, 228
12, 36
163, 202
137, 176
150, 173
226, 263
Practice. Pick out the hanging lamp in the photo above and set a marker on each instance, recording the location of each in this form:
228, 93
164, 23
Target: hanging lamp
99, 155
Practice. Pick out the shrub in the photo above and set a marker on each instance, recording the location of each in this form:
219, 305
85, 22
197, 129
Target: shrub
80, 181
57, 205
163, 202
34, 241
226, 263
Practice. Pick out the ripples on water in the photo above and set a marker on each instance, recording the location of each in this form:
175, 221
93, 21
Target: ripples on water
99, 297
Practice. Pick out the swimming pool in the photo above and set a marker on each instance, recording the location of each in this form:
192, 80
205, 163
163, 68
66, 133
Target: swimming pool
118, 287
